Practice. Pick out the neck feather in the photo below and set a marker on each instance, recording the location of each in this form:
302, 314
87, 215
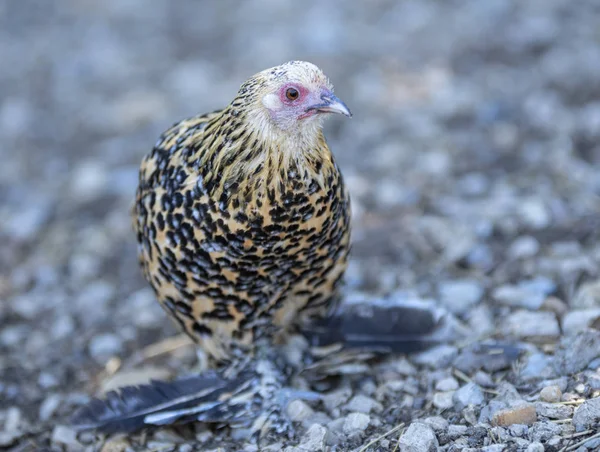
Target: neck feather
246, 155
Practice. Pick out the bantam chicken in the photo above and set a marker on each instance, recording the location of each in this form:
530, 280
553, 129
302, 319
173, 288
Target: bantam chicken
242, 217
243, 225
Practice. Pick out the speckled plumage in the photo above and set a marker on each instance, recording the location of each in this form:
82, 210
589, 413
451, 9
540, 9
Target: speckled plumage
242, 217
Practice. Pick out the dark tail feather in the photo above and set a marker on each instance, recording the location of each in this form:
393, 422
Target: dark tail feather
158, 403
387, 326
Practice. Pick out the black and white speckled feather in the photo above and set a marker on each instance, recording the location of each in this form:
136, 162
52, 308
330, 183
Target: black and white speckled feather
242, 217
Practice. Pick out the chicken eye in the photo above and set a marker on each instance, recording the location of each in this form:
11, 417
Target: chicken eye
292, 93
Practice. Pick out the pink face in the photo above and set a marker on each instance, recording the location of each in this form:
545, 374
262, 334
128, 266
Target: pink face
293, 103
296, 100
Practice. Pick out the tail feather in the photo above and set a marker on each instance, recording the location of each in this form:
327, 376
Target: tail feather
386, 326
133, 407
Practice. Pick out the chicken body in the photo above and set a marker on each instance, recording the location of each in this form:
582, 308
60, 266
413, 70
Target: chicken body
242, 217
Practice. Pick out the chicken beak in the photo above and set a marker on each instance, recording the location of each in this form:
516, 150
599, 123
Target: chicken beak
331, 104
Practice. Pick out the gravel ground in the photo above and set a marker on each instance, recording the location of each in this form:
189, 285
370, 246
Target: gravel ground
473, 160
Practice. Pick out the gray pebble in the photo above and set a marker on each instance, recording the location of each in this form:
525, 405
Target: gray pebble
523, 247
447, 384
538, 365
437, 423
576, 352
551, 394
587, 414
298, 410
518, 430
494, 448
576, 321
553, 411
483, 379
454, 430
535, 447
592, 444
363, 404
469, 394
356, 423
418, 437
459, 296
437, 357
443, 400
64, 435
532, 325
335, 399
49, 407
543, 431
527, 294
315, 439
587, 296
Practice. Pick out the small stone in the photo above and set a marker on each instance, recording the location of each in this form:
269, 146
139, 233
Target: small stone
469, 414
443, 400
543, 431
89, 179
335, 399
538, 365
437, 357
561, 382
493, 448
587, 414
523, 247
508, 393
535, 447
576, 321
454, 430
49, 407
356, 423
592, 444
363, 404
489, 356
576, 352
447, 384
518, 430
534, 212
116, 444
483, 379
487, 412
403, 367
47, 380
204, 436
524, 413
480, 320
587, 296
298, 410
336, 425
527, 294
418, 437
553, 411
469, 394
551, 394
105, 346
437, 423
459, 296
13, 419
539, 326
315, 439
64, 435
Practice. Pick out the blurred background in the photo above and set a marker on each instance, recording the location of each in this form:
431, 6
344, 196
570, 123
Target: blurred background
473, 158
